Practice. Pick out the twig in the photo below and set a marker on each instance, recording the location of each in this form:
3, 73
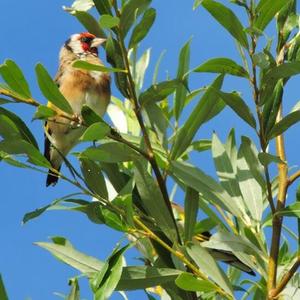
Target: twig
285, 279
293, 178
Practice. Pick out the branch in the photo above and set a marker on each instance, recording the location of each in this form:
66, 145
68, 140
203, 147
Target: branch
293, 178
285, 279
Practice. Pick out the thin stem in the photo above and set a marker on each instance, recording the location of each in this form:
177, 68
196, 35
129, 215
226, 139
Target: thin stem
285, 279
137, 110
277, 221
293, 178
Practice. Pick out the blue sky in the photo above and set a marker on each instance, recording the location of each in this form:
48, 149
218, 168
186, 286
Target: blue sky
33, 31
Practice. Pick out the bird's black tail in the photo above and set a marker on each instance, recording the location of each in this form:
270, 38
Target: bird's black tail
52, 178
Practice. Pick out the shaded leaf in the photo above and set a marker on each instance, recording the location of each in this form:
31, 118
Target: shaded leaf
3, 294
267, 158
182, 70
222, 65
204, 110
103, 7
190, 211
142, 28
50, 89
81, 64
43, 112
74, 293
95, 132
284, 70
292, 210
266, 10
158, 92
189, 282
227, 19
142, 277
153, 200
14, 77
21, 126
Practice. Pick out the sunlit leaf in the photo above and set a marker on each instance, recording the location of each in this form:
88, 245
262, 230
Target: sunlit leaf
81, 64
107, 21
95, 132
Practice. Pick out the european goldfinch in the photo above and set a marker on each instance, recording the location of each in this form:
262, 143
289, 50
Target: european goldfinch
80, 87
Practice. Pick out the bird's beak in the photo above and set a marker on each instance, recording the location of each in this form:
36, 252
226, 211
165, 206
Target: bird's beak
97, 42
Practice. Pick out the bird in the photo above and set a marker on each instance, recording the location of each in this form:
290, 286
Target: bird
79, 87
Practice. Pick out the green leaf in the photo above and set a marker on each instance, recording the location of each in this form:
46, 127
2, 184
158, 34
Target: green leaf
284, 70
89, 116
131, 10
22, 128
205, 185
239, 106
107, 21
50, 89
226, 173
153, 200
140, 68
110, 152
43, 112
82, 262
197, 3
204, 110
3, 294
96, 131
89, 22
103, 7
190, 211
142, 277
93, 177
111, 276
284, 124
142, 28
5, 101
23, 147
292, 210
74, 293
14, 77
189, 282
222, 65
228, 20
81, 64
266, 11
159, 91
208, 265
182, 70
267, 158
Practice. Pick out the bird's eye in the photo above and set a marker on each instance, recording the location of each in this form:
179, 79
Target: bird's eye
85, 40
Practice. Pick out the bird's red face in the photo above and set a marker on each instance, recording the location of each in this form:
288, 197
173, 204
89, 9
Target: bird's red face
84, 43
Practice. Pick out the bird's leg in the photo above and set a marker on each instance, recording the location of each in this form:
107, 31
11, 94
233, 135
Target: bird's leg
77, 121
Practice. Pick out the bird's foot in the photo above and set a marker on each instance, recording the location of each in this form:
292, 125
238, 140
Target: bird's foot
77, 121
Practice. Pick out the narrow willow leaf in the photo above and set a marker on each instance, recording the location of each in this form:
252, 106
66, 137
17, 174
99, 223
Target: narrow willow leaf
14, 77
140, 69
292, 210
22, 128
208, 265
266, 11
103, 7
95, 132
112, 275
74, 293
131, 10
81, 64
284, 124
182, 70
284, 70
89, 116
228, 20
82, 262
82, 5
201, 114
142, 28
93, 177
5, 101
189, 282
23, 147
156, 69
3, 294
89, 22
153, 200
159, 91
222, 65
107, 21
226, 173
110, 152
196, 4
249, 186
267, 158
43, 112
239, 106
205, 185
50, 89
191, 203
142, 277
